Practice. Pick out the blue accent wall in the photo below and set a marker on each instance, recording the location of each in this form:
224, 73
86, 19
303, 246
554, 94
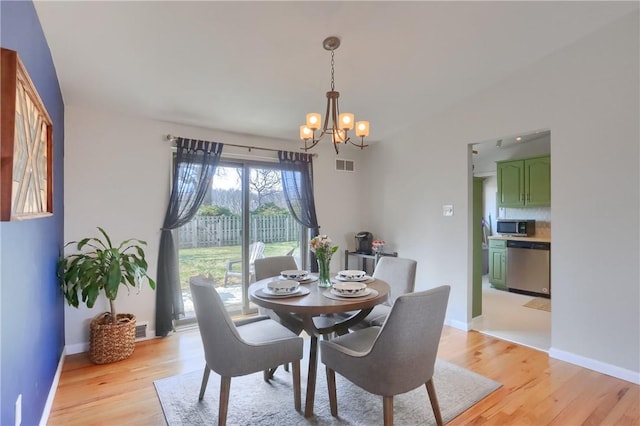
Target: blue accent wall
31, 304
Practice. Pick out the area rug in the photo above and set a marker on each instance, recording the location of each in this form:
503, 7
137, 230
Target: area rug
540, 303
252, 401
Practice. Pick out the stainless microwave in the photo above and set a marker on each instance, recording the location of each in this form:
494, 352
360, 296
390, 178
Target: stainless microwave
517, 227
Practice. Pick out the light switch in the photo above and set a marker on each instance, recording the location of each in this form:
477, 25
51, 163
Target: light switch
447, 210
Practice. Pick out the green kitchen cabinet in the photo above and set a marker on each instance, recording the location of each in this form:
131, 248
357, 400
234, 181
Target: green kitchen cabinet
510, 183
524, 183
537, 181
498, 263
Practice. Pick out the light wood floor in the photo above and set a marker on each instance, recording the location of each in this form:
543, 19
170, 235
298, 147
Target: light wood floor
536, 390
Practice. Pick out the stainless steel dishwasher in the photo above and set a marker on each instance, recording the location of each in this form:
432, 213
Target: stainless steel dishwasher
528, 267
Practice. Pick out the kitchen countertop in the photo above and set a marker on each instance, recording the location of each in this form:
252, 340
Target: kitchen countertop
531, 239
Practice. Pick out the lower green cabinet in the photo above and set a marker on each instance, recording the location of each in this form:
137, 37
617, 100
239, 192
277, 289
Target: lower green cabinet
498, 263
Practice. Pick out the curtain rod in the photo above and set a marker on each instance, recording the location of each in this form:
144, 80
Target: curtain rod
249, 147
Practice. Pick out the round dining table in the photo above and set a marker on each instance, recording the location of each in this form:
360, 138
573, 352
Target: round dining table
314, 310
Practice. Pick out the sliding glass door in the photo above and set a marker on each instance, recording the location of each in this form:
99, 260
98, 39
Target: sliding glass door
244, 217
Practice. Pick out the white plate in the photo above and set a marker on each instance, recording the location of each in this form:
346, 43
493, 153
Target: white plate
264, 292
357, 280
366, 292
309, 279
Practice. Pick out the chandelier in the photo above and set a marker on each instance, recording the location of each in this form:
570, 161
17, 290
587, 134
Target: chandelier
336, 124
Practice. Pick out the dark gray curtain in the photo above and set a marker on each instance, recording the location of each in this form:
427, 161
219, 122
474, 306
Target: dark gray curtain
297, 184
193, 170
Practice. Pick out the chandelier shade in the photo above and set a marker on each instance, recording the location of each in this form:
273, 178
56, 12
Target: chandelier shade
336, 124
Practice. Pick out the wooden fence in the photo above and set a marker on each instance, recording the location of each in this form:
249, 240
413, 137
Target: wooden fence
215, 231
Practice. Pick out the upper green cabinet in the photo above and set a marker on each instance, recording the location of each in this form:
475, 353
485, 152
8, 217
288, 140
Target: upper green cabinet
537, 181
511, 183
524, 183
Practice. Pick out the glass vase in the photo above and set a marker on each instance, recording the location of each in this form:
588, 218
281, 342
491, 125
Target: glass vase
324, 280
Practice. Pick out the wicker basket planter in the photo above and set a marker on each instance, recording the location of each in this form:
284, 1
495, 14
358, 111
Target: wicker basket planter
112, 342
99, 268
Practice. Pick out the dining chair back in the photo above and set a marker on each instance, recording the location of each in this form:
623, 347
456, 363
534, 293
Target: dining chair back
400, 274
246, 347
395, 358
273, 265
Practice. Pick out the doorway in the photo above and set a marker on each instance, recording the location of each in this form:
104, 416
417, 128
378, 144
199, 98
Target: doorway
497, 311
242, 218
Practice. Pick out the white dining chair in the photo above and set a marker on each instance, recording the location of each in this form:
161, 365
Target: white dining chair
256, 251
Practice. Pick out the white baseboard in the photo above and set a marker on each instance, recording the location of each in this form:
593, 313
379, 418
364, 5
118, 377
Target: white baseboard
591, 364
77, 348
475, 321
84, 347
457, 324
52, 391
599, 366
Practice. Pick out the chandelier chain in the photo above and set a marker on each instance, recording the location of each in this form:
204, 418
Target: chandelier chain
332, 62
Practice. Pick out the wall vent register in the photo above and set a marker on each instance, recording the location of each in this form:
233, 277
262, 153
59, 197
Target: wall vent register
141, 330
345, 165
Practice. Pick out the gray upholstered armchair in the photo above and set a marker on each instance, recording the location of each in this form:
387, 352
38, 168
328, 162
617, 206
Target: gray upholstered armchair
249, 346
271, 267
400, 274
395, 358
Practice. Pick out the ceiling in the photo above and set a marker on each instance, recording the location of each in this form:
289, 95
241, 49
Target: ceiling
259, 67
485, 154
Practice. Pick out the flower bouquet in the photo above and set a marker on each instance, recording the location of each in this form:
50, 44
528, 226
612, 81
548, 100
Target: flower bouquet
377, 246
323, 248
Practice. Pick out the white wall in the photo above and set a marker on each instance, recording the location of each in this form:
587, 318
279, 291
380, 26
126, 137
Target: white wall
587, 95
117, 176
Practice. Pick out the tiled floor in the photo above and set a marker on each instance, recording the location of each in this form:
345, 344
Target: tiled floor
503, 316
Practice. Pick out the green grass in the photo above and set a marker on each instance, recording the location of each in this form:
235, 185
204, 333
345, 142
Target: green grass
213, 260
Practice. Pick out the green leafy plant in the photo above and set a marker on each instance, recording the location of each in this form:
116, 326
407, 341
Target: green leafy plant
101, 267
208, 210
268, 209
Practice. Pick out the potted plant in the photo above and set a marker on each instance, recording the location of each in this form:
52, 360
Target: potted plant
100, 267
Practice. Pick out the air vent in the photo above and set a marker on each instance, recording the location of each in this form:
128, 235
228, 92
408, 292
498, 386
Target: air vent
141, 330
345, 165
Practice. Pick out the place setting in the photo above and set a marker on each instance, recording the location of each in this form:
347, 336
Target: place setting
281, 288
353, 275
351, 284
302, 276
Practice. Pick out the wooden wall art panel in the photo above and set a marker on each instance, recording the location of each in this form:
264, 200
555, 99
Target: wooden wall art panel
26, 145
